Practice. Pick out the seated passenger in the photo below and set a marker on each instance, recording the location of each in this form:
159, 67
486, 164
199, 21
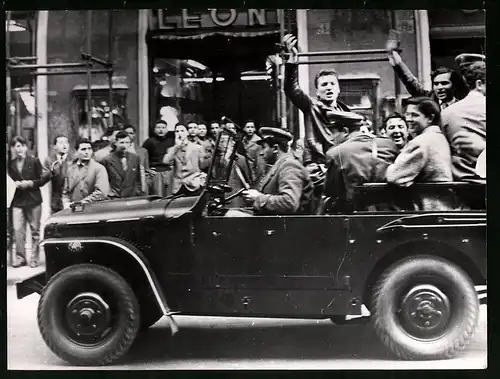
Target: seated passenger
246, 173
464, 123
481, 165
286, 187
358, 158
396, 129
427, 157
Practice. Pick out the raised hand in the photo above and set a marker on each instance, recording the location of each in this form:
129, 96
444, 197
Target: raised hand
392, 43
290, 42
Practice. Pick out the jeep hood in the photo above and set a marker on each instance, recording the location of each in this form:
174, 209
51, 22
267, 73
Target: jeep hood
126, 209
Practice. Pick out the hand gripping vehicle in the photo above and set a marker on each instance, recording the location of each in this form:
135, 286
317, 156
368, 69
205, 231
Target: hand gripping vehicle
114, 268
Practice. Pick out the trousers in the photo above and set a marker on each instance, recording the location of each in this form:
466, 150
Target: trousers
20, 218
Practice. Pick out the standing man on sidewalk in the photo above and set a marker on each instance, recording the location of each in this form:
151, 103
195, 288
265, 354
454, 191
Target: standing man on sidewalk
143, 155
87, 180
55, 170
124, 169
26, 171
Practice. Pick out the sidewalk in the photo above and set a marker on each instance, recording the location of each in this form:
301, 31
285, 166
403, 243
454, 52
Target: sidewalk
18, 274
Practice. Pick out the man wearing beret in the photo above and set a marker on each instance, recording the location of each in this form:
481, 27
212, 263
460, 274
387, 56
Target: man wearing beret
358, 158
286, 188
464, 123
319, 131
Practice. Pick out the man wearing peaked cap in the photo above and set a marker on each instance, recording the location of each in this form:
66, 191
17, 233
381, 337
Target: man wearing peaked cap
464, 123
276, 133
464, 60
356, 159
286, 187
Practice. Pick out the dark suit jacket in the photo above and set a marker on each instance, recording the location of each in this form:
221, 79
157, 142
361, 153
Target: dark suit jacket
318, 138
416, 89
286, 188
467, 115
123, 183
32, 170
353, 163
57, 179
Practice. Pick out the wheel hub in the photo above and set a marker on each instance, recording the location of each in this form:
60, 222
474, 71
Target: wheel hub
425, 311
88, 314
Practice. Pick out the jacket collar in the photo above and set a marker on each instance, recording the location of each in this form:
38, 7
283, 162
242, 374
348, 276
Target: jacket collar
274, 168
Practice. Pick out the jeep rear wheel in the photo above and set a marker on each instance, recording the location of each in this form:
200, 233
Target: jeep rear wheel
425, 308
88, 315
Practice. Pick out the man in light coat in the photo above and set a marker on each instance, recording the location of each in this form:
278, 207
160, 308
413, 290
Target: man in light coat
87, 180
186, 159
286, 188
464, 123
426, 158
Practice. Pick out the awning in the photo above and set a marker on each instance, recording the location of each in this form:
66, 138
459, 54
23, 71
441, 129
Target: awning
95, 87
244, 34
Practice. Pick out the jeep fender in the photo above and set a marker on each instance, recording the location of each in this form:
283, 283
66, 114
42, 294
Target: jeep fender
75, 244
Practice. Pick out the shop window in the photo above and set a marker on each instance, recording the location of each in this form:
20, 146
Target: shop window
187, 90
102, 115
21, 118
361, 93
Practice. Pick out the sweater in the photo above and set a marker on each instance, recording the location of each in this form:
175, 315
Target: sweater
157, 148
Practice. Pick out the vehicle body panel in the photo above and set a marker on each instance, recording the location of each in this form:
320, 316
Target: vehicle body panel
276, 266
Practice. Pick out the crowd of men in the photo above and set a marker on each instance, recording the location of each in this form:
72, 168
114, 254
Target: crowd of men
171, 162
441, 137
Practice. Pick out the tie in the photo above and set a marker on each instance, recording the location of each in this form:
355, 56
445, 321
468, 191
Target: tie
124, 163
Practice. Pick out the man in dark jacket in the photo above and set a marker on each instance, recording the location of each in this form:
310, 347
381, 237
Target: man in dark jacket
124, 169
320, 135
26, 171
157, 146
447, 85
359, 158
55, 170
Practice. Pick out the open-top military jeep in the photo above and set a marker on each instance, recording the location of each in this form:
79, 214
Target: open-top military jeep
116, 267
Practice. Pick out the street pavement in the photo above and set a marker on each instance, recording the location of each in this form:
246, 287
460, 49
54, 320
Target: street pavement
233, 343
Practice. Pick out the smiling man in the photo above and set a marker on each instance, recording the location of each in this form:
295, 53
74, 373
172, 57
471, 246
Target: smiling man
447, 85
396, 129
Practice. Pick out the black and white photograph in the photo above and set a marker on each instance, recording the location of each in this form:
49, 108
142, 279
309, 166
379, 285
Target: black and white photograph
249, 189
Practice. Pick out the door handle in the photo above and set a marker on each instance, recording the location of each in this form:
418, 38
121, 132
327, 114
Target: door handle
270, 232
216, 234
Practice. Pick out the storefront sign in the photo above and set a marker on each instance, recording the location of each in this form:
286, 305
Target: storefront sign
186, 19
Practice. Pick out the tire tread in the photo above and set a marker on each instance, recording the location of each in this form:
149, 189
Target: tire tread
458, 344
131, 326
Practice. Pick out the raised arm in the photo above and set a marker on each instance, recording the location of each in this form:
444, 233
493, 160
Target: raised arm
292, 90
409, 80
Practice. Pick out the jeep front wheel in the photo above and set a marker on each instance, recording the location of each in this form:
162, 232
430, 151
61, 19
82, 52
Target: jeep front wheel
88, 315
425, 308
